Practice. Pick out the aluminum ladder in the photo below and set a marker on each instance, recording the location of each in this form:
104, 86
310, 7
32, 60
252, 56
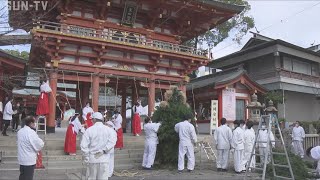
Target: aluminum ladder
39, 123
270, 120
207, 148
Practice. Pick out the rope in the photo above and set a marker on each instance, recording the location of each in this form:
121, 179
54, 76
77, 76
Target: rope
79, 91
126, 173
54, 97
91, 90
136, 89
65, 90
194, 102
160, 91
105, 93
115, 99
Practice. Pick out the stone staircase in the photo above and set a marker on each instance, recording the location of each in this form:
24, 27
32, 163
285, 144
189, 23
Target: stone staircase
55, 159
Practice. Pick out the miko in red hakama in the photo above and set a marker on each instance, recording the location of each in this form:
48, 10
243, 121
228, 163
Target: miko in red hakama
70, 142
136, 124
89, 121
119, 143
43, 104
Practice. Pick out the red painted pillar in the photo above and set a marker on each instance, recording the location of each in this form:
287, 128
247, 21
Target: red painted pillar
123, 109
95, 93
151, 97
51, 123
219, 106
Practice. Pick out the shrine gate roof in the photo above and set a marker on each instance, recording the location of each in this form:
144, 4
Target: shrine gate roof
224, 78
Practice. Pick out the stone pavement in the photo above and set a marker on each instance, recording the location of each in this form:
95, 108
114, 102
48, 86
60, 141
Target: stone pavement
136, 175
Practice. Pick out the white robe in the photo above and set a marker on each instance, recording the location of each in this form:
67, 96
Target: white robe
298, 136
97, 140
223, 139
77, 126
117, 121
150, 145
8, 112
137, 109
111, 154
187, 137
85, 111
249, 138
45, 87
238, 145
263, 151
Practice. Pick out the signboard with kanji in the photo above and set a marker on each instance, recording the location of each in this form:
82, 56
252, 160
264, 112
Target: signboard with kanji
214, 115
129, 13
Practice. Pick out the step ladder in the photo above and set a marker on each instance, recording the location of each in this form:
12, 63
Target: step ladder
207, 148
269, 120
41, 121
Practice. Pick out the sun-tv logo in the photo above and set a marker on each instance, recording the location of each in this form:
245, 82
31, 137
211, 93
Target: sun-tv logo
27, 5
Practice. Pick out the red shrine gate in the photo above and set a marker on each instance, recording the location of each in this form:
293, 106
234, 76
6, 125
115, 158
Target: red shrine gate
127, 45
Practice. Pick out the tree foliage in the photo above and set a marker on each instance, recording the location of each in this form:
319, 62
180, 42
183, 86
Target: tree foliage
275, 96
169, 113
22, 54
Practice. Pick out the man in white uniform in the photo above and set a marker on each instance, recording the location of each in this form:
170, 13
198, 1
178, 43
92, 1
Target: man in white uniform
150, 144
187, 139
223, 139
314, 153
111, 153
7, 116
96, 143
249, 137
298, 136
29, 144
238, 145
263, 138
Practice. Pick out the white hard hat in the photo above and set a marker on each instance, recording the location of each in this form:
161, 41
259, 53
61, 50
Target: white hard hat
110, 124
97, 115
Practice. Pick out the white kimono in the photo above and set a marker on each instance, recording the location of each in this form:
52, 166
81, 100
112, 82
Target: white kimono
150, 144
263, 151
117, 121
8, 112
249, 137
223, 139
97, 141
77, 126
45, 87
298, 136
315, 154
137, 109
187, 137
85, 111
238, 145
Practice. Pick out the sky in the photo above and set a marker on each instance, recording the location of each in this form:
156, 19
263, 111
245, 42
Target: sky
296, 22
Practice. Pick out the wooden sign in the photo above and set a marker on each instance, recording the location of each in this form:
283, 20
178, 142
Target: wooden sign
214, 115
129, 13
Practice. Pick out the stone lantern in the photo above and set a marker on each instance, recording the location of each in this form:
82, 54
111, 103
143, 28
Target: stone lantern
271, 109
255, 108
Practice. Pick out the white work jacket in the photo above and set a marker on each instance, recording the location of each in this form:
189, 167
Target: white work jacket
223, 137
263, 137
8, 111
249, 137
151, 130
187, 133
29, 144
315, 153
298, 133
97, 139
238, 139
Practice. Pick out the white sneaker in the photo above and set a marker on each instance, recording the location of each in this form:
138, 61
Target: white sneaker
137, 135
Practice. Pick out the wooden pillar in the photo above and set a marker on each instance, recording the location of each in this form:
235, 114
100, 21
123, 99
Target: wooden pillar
151, 97
51, 123
85, 93
123, 110
219, 106
95, 93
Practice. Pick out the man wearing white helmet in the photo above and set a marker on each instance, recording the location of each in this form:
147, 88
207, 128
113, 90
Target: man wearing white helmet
97, 142
111, 153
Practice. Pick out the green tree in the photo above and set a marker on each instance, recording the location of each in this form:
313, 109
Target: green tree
22, 54
169, 114
275, 96
236, 28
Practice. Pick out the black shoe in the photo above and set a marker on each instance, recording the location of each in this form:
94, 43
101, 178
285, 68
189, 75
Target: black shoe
219, 169
243, 171
145, 168
189, 170
180, 171
224, 170
5, 134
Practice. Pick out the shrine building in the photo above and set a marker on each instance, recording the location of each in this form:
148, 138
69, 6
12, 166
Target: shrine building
134, 47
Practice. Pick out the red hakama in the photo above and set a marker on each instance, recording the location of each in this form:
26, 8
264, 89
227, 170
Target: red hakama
136, 124
43, 104
70, 143
89, 122
119, 143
